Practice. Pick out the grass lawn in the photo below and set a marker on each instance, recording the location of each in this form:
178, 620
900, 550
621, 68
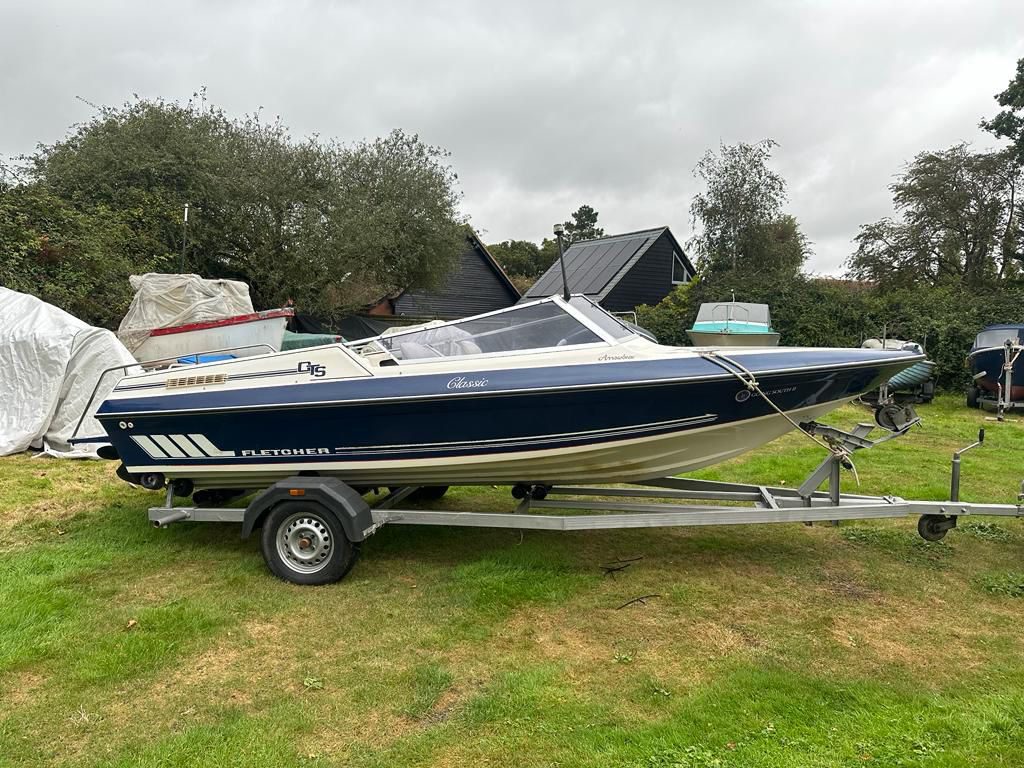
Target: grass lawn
786, 645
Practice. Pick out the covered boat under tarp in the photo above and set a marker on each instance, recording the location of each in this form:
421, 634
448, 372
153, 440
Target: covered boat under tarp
172, 316
49, 363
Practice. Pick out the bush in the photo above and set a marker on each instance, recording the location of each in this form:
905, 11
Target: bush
810, 311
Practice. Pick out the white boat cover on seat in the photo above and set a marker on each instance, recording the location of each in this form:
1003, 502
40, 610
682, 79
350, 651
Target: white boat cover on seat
49, 363
164, 301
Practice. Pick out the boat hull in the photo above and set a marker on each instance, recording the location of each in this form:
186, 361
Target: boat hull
254, 334
614, 422
914, 376
723, 339
989, 362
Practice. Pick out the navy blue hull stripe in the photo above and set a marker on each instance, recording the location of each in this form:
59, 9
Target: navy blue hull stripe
446, 386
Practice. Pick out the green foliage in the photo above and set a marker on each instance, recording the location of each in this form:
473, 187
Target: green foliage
742, 227
669, 319
1004, 584
809, 311
583, 225
525, 261
986, 531
73, 259
958, 222
1009, 122
331, 226
519, 258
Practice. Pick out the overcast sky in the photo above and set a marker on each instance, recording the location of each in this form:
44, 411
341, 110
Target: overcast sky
546, 105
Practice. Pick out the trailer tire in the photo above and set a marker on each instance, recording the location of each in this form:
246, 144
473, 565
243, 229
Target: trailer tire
931, 528
429, 493
972, 397
304, 542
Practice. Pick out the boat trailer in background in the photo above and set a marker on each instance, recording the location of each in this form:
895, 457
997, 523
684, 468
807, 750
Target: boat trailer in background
1001, 400
312, 526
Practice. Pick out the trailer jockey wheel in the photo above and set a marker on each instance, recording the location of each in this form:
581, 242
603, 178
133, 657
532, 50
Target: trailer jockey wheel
304, 543
934, 527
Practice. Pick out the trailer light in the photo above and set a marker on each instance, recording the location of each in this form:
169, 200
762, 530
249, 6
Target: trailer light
296, 492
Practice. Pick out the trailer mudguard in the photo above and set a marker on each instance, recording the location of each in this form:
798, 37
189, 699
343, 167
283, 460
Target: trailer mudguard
350, 508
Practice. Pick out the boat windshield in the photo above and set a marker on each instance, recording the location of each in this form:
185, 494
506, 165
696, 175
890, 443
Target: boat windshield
727, 311
606, 322
996, 337
533, 326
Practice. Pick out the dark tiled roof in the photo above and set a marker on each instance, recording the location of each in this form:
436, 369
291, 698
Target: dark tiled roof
476, 284
594, 267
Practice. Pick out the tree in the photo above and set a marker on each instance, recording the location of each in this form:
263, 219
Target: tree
332, 226
71, 259
583, 226
957, 221
525, 261
742, 227
1009, 122
518, 257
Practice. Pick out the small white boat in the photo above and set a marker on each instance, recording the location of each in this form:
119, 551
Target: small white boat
256, 333
733, 324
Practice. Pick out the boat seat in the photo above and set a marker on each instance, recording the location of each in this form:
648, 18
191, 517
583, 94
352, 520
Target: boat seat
413, 350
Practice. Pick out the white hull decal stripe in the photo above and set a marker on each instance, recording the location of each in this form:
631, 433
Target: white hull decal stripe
187, 446
149, 446
211, 450
168, 445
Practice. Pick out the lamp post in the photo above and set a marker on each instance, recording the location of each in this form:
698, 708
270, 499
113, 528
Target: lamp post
559, 230
184, 240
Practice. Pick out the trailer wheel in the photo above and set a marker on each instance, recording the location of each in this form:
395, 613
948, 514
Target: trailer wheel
429, 493
931, 527
972, 397
304, 543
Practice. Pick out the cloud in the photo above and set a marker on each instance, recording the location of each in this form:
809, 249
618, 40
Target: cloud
547, 105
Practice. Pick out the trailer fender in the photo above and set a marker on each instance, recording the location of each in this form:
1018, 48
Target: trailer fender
347, 505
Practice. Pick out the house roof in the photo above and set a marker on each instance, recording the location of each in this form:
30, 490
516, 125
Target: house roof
491, 261
477, 283
594, 267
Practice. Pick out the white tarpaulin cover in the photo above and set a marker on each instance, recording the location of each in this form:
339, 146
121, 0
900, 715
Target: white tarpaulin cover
49, 363
164, 301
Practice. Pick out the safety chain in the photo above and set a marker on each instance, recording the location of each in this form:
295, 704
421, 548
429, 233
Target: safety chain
749, 380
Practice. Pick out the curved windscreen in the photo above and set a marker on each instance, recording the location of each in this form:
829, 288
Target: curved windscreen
534, 326
728, 311
996, 337
606, 322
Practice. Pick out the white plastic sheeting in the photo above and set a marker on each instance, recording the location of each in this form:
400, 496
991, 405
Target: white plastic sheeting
164, 301
49, 363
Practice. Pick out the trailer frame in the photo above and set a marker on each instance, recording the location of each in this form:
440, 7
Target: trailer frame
660, 503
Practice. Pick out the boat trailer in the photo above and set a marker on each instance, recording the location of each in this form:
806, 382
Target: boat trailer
312, 526
1000, 401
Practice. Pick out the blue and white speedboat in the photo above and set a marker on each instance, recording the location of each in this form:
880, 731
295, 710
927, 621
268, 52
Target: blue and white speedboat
547, 392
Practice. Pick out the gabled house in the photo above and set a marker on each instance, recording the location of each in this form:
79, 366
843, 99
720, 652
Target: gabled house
476, 284
620, 272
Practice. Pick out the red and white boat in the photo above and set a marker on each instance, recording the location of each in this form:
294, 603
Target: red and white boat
256, 333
